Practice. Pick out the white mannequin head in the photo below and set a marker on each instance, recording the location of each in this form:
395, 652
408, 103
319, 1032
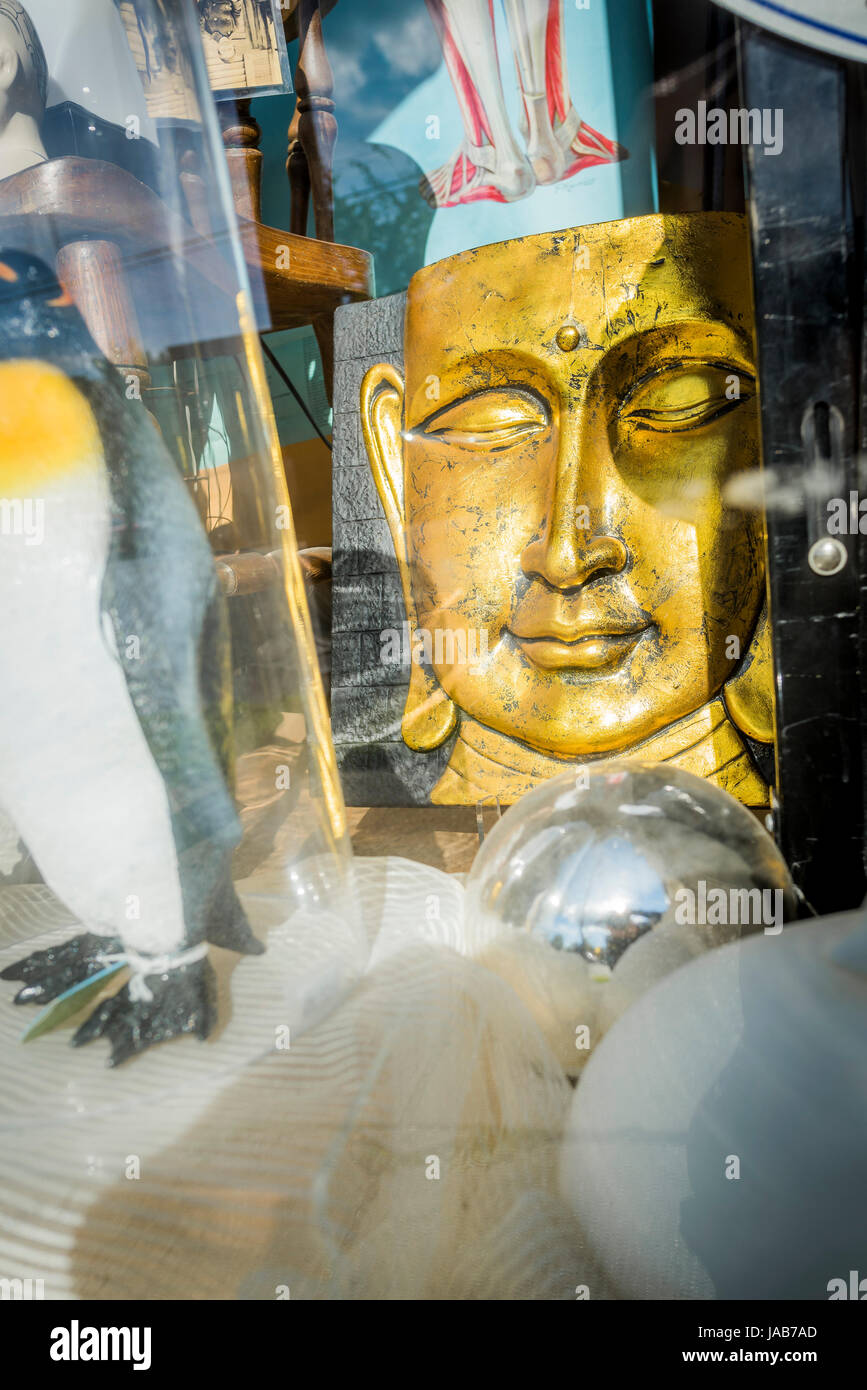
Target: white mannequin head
23, 90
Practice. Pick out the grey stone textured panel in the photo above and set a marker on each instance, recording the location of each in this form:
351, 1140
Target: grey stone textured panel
368, 692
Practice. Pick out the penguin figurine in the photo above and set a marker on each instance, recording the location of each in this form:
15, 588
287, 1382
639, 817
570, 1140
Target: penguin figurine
115, 703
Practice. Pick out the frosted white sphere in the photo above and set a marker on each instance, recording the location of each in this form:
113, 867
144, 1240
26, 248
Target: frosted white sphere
717, 1142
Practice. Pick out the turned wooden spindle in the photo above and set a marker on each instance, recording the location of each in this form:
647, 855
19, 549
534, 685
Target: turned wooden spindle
93, 276
314, 122
299, 180
241, 136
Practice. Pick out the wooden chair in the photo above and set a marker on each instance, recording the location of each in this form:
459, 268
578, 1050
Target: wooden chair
312, 137
109, 236
313, 131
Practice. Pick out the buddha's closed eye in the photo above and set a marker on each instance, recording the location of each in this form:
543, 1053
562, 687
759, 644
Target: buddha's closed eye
490, 420
686, 396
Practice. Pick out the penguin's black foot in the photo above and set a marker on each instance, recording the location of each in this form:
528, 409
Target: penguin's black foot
228, 926
46, 974
183, 1000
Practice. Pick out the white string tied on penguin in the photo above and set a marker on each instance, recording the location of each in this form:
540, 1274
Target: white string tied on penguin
142, 966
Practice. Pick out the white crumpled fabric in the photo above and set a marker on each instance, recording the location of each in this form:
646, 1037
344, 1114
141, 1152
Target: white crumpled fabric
405, 1146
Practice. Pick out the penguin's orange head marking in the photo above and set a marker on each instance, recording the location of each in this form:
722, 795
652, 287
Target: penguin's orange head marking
7, 273
49, 436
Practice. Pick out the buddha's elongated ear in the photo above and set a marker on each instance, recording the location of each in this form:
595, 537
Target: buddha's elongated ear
382, 396
749, 695
429, 716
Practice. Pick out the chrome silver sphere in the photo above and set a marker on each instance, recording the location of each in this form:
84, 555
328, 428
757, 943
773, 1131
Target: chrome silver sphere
591, 861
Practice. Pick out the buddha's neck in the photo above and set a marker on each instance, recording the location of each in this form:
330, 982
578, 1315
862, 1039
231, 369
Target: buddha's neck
485, 763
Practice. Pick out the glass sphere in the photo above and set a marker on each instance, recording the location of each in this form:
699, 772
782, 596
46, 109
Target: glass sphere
595, 859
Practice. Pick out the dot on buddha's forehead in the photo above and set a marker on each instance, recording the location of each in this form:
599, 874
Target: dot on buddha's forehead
567, 337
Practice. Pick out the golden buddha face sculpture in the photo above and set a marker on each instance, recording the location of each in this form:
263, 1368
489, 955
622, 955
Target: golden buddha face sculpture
553, 472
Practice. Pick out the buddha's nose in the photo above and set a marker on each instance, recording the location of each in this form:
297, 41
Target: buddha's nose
566, 556
576, 541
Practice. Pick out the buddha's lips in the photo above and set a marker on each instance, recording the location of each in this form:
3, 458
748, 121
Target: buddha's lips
585, 651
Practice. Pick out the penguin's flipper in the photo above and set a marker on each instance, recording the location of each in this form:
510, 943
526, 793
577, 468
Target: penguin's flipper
49, 973
183, 1000
227, 924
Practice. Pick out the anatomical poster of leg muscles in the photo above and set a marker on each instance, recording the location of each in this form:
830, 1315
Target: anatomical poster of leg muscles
485, 120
